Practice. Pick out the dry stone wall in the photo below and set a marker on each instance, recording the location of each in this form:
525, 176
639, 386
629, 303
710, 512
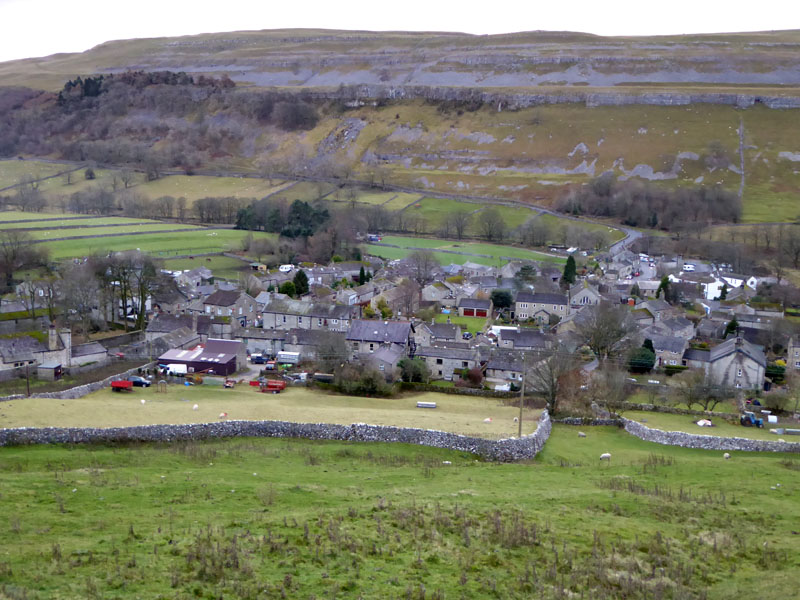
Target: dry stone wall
506, 450
706, 442
81, 390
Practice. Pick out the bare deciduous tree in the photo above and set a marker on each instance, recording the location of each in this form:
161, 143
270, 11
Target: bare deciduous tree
544, 374
423, 264
607, 329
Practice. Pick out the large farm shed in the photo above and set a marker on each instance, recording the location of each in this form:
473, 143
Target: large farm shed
218, 357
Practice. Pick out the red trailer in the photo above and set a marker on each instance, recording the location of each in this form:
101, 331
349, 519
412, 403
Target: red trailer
121, 384
273, 386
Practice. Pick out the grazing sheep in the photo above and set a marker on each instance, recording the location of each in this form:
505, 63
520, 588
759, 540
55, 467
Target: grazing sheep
487, 420
143, 400
726, 456
516, 419
581, 434
606, 456
223, 415
195, 407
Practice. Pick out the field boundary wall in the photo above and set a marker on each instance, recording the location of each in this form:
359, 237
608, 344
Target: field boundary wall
706, 442
505, 450
81, 390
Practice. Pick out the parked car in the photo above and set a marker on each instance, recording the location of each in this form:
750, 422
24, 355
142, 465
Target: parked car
139, 381
466, 335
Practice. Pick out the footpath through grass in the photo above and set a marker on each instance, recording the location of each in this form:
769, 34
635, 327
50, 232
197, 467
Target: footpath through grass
271, 518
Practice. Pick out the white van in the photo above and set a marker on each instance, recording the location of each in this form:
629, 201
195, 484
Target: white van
285, 268
688, 267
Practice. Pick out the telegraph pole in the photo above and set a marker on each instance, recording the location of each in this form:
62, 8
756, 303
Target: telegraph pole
522, 390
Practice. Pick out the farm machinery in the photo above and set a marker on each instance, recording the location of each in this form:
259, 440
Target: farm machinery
749, 419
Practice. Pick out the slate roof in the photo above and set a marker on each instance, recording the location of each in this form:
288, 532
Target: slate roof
388, 354
223, 298
525, 338
308, 337
667, 343
657, 305
323, 310
478, 303
395, 332
696, 354
504, 362
546, 298
441, 352
446, 331
20, 348
738, 345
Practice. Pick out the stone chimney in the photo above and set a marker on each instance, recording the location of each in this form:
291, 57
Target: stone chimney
194, 321
52, 338
66, 337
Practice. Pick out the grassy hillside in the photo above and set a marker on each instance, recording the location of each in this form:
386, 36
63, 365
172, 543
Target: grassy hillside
268, 518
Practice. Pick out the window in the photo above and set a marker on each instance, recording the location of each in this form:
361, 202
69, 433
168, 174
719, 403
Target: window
555, 307
672, 362
335, 321
284, 318
219, 311
299, 320
355, 346
381, 367
240, 310
739, 373
797, 363
464, 364
440, 373
319, 322
371, 347
208, 309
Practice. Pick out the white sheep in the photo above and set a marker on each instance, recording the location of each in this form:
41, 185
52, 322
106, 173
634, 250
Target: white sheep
143, 401
606, 456
223, 415
726, 456
487, 420
195, 407
581, 434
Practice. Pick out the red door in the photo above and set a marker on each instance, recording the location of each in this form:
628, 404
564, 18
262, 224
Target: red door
480, 313
469, 312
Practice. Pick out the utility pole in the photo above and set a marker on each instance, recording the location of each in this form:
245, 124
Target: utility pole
522, 390
27, 379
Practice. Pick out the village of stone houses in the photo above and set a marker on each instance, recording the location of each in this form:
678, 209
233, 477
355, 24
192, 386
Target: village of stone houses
317, 314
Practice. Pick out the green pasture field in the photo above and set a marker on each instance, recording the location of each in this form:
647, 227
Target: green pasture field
400, 201
270, 518
221, 266
194, 187
442, 257
471, 324
9, 217
687, 423
371, 197
50, 221
493, 250
12, 171
57, 187
457, 414
146, 229
307, 191
614, 234
163, 245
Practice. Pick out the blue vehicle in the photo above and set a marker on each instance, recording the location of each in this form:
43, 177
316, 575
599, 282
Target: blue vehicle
749, 419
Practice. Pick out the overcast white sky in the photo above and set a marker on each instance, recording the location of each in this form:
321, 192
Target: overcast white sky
43, 27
